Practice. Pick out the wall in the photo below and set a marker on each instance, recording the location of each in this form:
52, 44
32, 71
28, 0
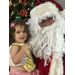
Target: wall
61, 2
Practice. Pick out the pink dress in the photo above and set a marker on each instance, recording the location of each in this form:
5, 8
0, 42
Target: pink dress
21, 73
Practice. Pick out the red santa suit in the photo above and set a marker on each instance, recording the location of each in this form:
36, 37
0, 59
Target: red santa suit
40, 65
47, 43
45, 70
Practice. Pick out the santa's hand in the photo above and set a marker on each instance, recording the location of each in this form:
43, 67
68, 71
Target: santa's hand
25, 47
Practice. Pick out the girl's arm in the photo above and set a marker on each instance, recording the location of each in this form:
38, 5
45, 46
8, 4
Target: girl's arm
17, 54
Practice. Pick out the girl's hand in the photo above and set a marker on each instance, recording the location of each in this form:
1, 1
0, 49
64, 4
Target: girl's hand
25, 47
36, 71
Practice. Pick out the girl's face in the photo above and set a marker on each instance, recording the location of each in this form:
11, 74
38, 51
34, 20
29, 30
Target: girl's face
20, 35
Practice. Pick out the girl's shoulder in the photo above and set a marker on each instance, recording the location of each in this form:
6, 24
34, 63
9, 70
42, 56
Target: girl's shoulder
13, 49
17, 44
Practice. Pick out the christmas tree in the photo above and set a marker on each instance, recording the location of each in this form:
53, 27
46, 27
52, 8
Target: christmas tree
20, 9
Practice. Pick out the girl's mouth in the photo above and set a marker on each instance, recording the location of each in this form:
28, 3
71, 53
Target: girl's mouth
22, 38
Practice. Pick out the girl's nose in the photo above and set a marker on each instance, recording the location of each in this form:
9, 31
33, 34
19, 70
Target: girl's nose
22, 33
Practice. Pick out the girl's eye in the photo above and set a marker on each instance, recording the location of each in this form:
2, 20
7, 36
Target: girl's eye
23, 31
18, 31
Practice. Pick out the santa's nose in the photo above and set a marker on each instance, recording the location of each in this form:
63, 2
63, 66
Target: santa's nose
47, 24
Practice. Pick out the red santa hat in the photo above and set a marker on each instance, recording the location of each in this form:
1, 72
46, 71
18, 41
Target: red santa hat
43, 6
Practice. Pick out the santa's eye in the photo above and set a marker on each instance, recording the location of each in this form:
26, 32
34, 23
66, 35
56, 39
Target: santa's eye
43, 21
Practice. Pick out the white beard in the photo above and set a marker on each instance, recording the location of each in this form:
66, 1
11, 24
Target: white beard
49, 41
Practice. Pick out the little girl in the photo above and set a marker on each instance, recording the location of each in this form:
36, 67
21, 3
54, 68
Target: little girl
20, 59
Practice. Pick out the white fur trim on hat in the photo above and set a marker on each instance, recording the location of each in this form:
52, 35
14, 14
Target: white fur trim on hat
43, 8
63, 13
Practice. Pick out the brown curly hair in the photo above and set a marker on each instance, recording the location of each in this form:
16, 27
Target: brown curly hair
12, 30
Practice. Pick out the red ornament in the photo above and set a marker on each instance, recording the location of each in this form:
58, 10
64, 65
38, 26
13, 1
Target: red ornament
23, 2
23, 12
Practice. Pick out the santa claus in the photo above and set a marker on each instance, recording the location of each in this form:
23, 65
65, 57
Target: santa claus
47, 28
